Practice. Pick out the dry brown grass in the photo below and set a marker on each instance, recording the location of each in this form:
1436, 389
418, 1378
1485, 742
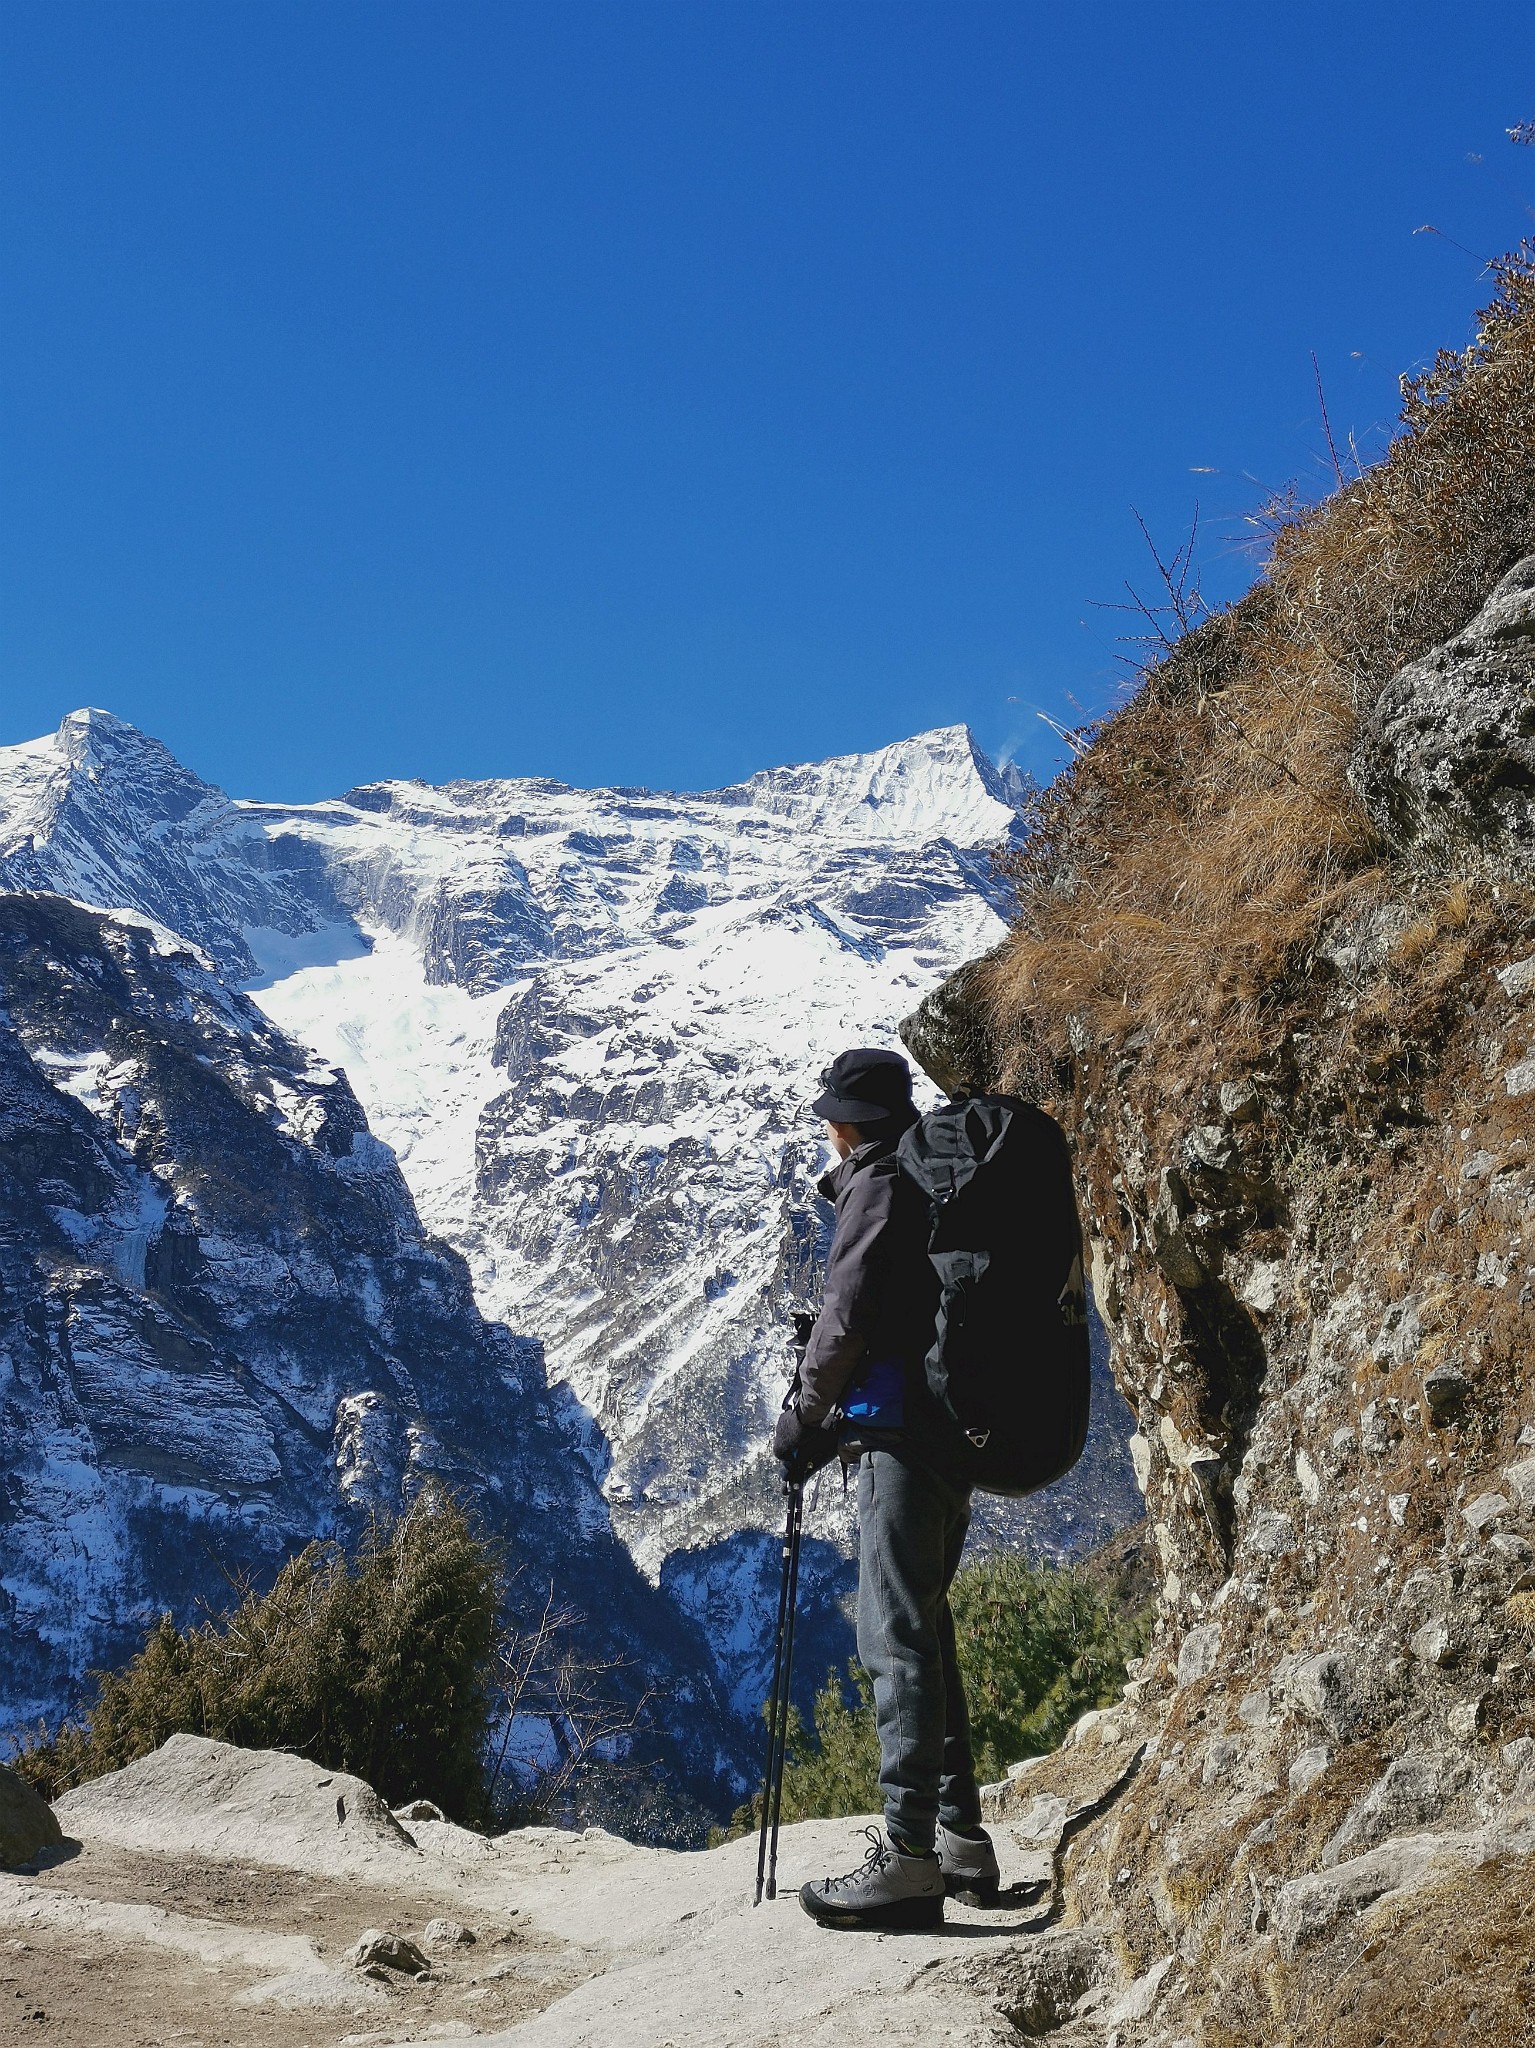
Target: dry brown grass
1452, 1964
1185, 883
1184, 866
1448, 1966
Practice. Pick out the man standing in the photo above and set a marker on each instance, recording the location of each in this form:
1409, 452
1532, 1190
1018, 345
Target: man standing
861, 1393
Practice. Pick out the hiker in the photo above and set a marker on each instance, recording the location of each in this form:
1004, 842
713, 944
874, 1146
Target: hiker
860, 1394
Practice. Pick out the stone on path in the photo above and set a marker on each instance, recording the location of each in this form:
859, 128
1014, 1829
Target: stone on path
444, 1933
377, 1948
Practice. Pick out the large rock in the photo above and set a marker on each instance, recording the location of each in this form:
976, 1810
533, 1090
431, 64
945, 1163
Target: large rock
1447, 752
377, 1948
26, 1822
1413, 1791
203, 1798
1310, 1907
950, 1034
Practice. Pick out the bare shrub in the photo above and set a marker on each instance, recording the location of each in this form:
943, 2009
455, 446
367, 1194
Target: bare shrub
563, 1720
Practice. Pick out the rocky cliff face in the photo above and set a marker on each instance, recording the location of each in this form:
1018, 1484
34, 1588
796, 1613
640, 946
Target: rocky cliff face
1313, 1816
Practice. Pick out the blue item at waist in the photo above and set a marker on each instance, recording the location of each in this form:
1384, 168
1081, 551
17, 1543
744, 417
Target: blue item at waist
877, 1398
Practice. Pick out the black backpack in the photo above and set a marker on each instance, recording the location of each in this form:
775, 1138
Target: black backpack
1009, 1371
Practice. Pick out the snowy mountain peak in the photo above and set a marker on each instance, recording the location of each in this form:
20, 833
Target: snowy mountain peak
938, 784
103, 813
98, 748
97, 774
104, 727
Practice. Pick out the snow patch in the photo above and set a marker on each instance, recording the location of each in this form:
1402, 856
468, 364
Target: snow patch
280, 954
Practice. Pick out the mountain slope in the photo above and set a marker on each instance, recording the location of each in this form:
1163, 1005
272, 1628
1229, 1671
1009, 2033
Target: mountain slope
222, 1330
588, 1023
1277, 952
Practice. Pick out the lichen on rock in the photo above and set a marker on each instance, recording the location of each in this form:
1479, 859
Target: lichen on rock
1447, 750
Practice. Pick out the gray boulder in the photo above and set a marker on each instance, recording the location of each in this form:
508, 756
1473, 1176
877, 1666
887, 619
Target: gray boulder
26, 1822
1335, 1689
1412, 1792
377, 1948
950, 1033
444, 1933
1198, 1653
1446, 754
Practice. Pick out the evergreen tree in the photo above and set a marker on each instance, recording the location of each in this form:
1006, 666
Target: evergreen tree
1038, 1646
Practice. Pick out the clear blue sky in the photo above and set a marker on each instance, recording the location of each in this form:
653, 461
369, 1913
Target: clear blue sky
651, 391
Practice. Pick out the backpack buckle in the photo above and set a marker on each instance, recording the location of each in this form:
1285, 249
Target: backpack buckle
979, 1437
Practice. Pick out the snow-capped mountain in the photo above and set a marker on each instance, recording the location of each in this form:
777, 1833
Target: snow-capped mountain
588, 1024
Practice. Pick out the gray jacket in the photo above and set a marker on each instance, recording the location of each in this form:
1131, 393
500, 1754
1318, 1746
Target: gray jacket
880, 1296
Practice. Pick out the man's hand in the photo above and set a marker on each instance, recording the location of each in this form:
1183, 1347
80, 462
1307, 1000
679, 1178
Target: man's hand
802, 1447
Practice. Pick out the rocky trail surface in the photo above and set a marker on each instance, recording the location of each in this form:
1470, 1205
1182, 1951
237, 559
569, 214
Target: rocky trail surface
217, 1895
211, 1895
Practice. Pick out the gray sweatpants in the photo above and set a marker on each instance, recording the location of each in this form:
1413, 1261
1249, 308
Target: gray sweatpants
911, 1531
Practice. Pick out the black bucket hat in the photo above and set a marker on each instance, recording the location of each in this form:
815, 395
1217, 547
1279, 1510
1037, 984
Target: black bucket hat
865, 1086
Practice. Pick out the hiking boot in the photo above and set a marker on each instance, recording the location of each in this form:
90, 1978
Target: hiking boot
969, 1866
888, 1889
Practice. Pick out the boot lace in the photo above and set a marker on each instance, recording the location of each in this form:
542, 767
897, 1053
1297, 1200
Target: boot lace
879, 1855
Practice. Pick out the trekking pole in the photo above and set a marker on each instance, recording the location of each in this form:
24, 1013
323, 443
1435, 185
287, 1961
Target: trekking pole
778, 1698
796, 1517
775, 1696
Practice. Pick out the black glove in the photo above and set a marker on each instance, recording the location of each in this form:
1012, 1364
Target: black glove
802, 1447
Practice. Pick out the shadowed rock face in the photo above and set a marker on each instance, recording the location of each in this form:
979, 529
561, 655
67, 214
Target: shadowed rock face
27, 1822
223, 1330
949, 1034
1447, 751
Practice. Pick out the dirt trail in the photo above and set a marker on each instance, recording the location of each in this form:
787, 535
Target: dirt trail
145, 1950
207, 1897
